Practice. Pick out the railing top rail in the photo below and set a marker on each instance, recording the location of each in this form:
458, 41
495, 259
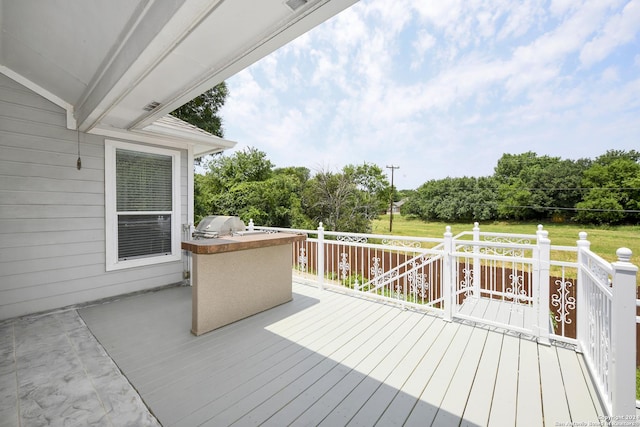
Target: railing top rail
507, 258
602, 263
564, 248
495, 234
563, 263
519, 236
384, 236
385, 247
391, 237
286, 230
483, 243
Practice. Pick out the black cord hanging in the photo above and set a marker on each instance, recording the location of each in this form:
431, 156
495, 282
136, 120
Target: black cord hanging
79, 161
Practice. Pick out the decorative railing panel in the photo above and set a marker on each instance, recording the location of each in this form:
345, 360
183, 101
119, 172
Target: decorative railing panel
596, 282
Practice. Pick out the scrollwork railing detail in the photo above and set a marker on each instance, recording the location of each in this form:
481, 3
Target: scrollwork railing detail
352, 239
344, 266
302, 260
402, 243
564, 302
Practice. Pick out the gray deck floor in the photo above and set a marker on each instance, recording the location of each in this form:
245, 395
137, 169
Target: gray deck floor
331, 359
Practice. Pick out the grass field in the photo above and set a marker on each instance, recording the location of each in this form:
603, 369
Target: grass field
604, 240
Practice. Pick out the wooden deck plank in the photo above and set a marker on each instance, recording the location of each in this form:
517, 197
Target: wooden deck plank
503, 407
476, 413
238, 350
529, 404
405, 400
361, 362
597, 402
170, 368
452, 406
428, 405
238, 362
480, 307
493, 310
233, 405
554, 400
265, 382
581, 407
468, 306
366, 403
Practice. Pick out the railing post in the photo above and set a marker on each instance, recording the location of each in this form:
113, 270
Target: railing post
544, 261
320, 256
448, 275
582, 329
622, 360
476, 261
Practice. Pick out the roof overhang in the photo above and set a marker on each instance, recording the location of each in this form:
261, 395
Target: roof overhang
105, 61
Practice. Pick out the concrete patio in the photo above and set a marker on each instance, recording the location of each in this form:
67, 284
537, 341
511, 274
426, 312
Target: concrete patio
322, 359
53, 372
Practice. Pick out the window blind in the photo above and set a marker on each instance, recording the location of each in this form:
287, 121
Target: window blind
144, 202
143, 181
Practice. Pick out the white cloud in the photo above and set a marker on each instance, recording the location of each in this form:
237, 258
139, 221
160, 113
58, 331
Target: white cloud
443, 88
620, 28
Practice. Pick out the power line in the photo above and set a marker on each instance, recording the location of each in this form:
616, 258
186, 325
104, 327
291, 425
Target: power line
580, 188
576, 209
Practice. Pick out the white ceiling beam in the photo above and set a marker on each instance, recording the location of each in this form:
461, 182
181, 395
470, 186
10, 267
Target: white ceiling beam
308, 18
153, 32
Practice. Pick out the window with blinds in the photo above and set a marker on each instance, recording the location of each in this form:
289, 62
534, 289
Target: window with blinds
142, 209
144, 202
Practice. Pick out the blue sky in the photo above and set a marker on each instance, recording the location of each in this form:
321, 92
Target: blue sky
444, 88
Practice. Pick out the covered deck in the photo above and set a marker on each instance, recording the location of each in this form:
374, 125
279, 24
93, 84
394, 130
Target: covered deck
325, 358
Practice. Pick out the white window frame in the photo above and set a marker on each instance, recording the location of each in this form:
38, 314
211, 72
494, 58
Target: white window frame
111, 217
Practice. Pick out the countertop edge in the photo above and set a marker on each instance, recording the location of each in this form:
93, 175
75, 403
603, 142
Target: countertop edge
239, 243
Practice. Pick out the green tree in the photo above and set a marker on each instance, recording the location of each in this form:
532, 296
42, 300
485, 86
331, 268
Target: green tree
536, 187
347, 200
454, 199
202, 111
273, 202
614, 183
246, 184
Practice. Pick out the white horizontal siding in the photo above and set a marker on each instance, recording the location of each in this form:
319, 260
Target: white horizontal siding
52, 226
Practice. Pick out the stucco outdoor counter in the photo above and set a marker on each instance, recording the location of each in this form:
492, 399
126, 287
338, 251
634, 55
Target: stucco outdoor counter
238, 276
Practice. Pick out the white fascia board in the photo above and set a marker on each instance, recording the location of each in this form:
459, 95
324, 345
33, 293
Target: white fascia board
71, 120
200, 145
203, 144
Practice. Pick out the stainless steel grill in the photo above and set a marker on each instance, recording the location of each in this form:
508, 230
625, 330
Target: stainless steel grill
215, 226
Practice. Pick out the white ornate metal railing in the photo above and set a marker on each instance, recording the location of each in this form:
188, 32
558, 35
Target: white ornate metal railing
510, 268
575, 296
606, 325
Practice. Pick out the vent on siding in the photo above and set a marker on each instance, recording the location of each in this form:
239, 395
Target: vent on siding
151, 106
295, 4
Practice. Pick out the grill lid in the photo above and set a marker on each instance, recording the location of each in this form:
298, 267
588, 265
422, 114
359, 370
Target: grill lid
218, 225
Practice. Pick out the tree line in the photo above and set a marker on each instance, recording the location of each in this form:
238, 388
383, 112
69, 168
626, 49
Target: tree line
248, 185
605, 190
526, 186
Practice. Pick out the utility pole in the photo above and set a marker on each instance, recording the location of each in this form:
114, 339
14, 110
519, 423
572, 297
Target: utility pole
391, 198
